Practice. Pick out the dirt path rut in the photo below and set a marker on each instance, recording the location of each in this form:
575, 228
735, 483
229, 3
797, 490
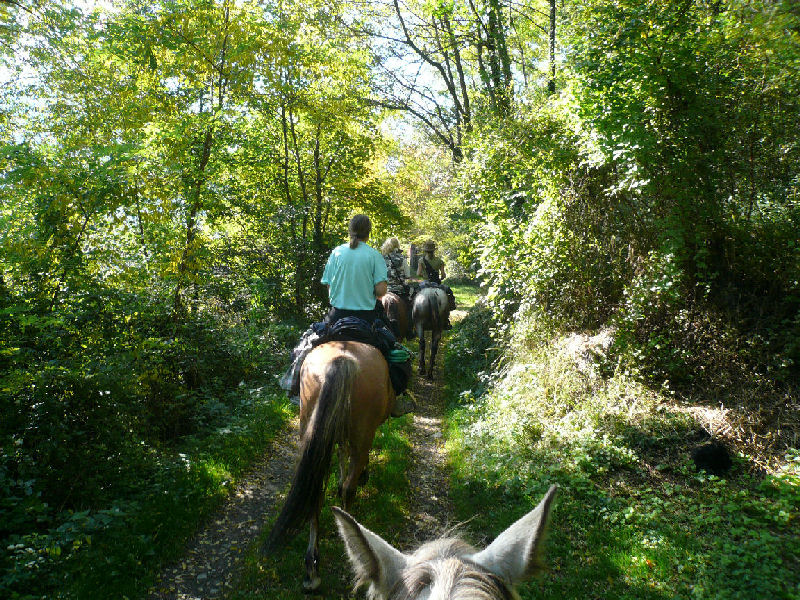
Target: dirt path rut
214, 554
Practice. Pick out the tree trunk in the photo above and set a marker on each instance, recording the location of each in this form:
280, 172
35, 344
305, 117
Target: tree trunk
551, 85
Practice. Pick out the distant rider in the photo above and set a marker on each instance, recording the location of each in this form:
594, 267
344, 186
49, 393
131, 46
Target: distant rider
397, 268
431, 268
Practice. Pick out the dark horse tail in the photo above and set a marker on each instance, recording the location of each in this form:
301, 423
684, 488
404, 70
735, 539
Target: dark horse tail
327, 426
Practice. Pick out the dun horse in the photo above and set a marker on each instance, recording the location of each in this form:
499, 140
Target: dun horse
345, 394
429, 313
447, 569
396, 309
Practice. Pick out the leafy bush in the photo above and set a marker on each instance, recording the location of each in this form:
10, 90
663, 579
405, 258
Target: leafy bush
470, 352
110, 436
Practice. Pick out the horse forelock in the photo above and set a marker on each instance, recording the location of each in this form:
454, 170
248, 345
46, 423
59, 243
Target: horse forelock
441, 571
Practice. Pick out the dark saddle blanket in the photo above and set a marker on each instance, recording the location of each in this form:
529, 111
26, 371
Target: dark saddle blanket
353, 329
348, 329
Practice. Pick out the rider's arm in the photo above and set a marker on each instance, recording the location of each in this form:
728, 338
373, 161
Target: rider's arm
380, 289
441, 269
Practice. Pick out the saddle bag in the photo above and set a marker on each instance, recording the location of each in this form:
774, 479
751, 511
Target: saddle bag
399, 368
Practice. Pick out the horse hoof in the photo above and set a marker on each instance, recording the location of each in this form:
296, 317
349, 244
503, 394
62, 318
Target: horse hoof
311, 585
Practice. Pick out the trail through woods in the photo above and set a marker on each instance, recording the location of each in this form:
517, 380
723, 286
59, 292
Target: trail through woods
210, 564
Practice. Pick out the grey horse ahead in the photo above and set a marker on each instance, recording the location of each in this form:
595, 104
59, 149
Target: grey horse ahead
429, 312
447, 569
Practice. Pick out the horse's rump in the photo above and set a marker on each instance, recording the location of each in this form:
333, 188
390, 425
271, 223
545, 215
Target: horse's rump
371, 381
430, 308
345, 395
323, 425
397, 313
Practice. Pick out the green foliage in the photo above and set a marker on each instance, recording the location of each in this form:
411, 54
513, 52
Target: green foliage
172, 178
97, 399
549, 237
471, 353
634, 519
656, 192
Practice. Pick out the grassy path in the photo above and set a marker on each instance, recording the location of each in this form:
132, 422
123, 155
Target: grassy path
406, 500
210, 563
430, 509
402, 501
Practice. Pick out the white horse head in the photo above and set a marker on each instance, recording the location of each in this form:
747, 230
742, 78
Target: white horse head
447, 569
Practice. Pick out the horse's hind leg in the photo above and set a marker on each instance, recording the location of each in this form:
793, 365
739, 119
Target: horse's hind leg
436, 336
343, 469
421, 334
312, 580
359, 457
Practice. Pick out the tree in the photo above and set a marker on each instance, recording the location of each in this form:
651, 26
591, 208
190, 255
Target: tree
438, 58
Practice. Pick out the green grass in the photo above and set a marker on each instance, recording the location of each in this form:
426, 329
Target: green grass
116, 551
633, 518
466, 295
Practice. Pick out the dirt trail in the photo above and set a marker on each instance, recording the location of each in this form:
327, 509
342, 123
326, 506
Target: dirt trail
430, 504
213, 556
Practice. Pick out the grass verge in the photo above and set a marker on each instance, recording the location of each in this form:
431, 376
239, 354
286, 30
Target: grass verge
634, 518
150, 528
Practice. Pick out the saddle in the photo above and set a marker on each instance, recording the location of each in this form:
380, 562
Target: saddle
451, 299
351, 329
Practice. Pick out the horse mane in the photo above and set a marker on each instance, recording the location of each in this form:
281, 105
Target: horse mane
391, 308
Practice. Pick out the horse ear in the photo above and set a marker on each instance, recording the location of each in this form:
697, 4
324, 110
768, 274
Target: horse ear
375, 561
514, 555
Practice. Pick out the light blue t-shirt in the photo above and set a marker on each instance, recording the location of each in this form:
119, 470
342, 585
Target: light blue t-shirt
352, 275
